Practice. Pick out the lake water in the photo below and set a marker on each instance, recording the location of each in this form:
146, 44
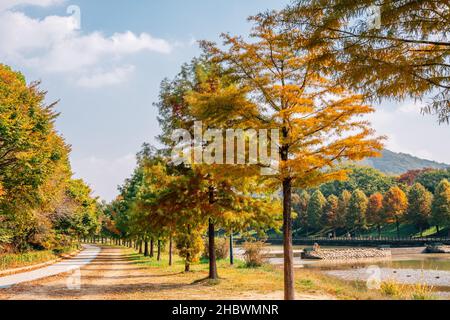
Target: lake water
407, 265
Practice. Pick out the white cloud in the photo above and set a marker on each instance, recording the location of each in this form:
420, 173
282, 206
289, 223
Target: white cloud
7, 4
411, 107
108, 78
54, 45
410, 132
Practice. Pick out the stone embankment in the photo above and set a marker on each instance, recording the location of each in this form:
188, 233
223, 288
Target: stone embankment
437, 249
345, 254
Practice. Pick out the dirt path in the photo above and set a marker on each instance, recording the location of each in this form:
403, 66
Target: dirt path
113, 275
109, 276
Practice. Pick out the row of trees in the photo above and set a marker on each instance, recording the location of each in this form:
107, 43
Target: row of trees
355, 211
170, 204
41, 206
299, 72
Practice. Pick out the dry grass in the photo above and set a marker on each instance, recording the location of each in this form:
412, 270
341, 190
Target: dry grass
11, 261
400, 291
238, 281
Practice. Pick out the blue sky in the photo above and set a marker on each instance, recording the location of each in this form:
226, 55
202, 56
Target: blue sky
107, 73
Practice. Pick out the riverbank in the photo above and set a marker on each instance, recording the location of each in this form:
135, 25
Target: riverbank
349, 254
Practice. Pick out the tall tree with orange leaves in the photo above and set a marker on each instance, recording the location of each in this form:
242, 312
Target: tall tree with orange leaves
320, 123
395, 204
375, 214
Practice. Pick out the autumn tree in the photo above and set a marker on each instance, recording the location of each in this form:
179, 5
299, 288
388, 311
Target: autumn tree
419, 209
395, 204
392, 49
441, 205
41, 206
409, 177
356, 214
197, 92
375, 213
331, 215
343, 205
300, 201
315, 117
315, 210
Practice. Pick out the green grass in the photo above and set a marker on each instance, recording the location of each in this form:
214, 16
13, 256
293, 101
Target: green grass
406, 230
389, 231
238, 279
18, 260
10, 261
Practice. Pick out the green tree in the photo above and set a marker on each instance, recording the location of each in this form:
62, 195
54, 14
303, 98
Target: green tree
356, 214
315, 210
40, 205
331, 213
431, 178
419, 209
300, 202
364, 178
441, 205
344, 202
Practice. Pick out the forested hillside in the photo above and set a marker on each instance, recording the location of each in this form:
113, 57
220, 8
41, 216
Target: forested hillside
398, 163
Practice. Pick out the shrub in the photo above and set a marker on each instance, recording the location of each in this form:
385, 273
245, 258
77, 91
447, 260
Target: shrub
189, 246
391, 288
254, 253
222, 248
422, 291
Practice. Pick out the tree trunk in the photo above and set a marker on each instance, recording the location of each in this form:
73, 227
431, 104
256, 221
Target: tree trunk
151, 248
379, 231
140, 247
231, 249
398, 227
187, 264
437, 229
289, 293
146, 248
159, 251
170, 250
212, 251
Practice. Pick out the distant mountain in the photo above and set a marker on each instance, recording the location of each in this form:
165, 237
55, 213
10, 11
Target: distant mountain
398, 163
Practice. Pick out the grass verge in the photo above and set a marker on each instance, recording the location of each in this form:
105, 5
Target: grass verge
18, 260
240, 282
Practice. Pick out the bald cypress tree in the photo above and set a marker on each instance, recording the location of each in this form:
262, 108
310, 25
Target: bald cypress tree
441, 205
